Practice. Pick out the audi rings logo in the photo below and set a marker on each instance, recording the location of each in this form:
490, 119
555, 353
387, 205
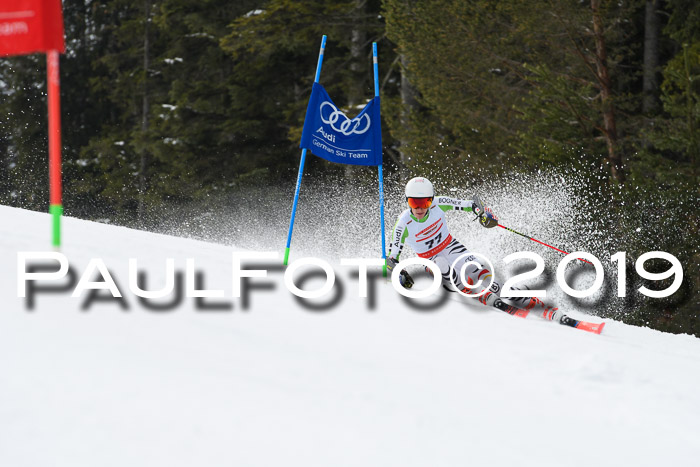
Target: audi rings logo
357, 125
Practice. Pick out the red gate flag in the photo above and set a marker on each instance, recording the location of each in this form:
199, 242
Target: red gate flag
28, 26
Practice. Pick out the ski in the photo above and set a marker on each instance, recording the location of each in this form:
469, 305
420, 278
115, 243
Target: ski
513, 310
548, 313
595, 328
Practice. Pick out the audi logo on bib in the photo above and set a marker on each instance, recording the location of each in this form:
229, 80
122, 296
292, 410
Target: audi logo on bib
357, 125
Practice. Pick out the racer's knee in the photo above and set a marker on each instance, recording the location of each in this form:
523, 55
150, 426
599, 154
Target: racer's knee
445, 270
488, 290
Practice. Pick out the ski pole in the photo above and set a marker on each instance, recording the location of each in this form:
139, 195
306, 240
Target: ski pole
541, 243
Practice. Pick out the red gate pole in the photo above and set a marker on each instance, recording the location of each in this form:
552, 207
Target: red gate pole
54, 98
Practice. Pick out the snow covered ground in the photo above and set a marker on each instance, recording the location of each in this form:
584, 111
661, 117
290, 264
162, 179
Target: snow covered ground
354, 384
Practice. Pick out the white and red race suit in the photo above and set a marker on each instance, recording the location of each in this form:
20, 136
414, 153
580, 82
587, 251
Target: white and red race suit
430, 235
430, 238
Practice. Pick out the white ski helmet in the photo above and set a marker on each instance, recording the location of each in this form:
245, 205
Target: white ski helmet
419, 187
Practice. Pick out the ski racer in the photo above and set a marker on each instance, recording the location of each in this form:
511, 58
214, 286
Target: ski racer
423, 226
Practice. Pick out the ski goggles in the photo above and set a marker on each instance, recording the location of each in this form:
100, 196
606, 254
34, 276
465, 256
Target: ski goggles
422, 203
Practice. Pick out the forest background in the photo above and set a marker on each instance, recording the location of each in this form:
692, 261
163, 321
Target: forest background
169, 102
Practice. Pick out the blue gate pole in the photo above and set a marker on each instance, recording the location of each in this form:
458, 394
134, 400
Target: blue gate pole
303, 159
379, 168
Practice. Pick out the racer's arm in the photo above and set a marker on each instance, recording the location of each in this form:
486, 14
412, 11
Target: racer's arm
486, 217
397, 239
448, 204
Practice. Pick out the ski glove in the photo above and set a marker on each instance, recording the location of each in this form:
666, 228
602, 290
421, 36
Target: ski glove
488, 220
485, 215
404, 279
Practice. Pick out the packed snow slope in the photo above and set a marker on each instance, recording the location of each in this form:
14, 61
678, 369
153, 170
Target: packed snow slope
361, 382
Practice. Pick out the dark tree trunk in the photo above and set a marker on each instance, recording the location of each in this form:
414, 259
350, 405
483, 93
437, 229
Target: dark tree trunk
144, 114
607, 106
650, 103
356, 88
409, 103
